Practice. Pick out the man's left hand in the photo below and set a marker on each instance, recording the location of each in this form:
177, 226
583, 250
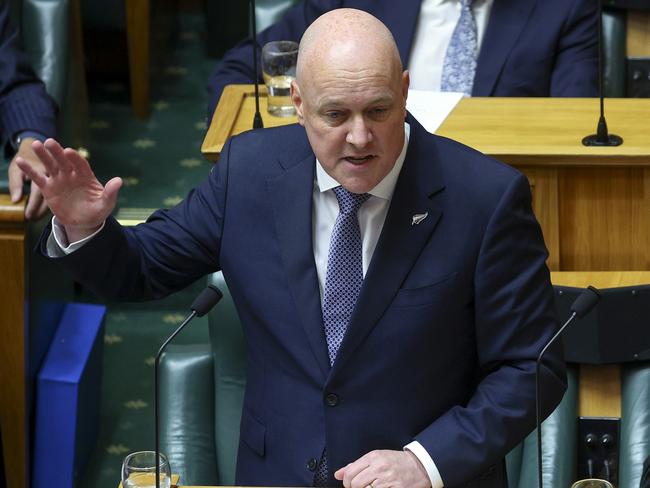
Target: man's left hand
384, 469
36, 206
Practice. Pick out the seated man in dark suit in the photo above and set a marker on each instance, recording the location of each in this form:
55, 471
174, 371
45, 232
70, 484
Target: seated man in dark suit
391, 284
27, 113
501, 48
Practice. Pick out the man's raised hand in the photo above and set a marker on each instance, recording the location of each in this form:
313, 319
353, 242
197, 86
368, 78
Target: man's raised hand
70, 188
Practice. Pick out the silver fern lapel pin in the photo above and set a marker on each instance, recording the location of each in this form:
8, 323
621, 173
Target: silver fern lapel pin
417, 218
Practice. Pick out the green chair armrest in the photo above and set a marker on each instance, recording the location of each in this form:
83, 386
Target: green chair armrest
187, 413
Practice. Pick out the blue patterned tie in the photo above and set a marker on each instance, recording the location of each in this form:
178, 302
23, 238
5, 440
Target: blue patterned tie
342, 283
459, 66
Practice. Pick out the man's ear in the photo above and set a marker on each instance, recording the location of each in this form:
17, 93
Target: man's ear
296, 98
406, 81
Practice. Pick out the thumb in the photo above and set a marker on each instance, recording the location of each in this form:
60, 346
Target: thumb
111, 189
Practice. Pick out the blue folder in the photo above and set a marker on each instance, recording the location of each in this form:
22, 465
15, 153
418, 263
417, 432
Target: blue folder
68, 392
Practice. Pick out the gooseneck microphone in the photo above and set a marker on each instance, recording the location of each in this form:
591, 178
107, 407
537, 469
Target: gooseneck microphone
581, 307
257, 119
202, 304
602, 137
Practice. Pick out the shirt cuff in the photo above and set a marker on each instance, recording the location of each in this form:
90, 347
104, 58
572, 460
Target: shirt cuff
57, 242
423, 456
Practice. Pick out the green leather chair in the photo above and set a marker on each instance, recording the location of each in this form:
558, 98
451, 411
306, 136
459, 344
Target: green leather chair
202, 393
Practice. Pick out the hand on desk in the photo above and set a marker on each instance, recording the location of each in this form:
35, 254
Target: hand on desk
383, 469
70, 188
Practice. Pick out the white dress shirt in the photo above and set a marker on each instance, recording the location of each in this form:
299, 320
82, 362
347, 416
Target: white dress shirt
436, 24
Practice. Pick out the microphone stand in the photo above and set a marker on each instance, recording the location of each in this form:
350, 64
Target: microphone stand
581, 307
602, 137
202, 305
257, 119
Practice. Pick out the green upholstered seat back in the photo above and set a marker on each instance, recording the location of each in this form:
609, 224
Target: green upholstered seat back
44, 26
187, 412
614, 46
635, 423
229, 357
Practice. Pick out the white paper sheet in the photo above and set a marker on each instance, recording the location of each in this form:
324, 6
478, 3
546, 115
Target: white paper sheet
431, 108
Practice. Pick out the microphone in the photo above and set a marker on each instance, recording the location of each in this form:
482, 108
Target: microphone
257, 119
580, 307
202, 304
602, 137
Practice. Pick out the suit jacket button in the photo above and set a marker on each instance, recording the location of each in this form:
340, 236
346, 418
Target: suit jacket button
312, 464
332, 399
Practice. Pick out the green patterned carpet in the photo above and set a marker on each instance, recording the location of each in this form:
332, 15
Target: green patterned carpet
159, 160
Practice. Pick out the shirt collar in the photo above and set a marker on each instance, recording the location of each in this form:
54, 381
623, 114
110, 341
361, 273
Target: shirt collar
384, 189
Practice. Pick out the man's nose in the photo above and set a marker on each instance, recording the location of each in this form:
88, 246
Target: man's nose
359, 134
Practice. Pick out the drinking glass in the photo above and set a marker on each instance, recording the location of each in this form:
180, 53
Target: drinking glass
139, 470
279, 70
592, 483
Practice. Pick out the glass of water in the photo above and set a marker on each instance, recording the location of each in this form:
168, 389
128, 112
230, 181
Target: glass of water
279, 69
139, 470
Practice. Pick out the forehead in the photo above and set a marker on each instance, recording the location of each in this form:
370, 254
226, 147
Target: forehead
342, 86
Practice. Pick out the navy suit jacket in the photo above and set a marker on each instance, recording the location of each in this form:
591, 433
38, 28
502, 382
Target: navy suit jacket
531, 48
442, 344
24, 103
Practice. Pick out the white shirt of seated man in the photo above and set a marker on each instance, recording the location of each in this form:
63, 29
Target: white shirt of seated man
436, 24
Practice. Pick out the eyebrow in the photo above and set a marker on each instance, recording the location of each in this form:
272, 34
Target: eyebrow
335, 102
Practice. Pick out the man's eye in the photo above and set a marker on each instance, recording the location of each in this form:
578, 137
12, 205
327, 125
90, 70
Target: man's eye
379, 111
333, 115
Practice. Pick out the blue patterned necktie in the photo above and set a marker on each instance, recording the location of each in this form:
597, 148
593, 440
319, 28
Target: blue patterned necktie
344, 270
342, 283
459, 66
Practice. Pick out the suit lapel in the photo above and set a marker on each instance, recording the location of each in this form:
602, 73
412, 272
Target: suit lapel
400, 242
507, 19
291, 195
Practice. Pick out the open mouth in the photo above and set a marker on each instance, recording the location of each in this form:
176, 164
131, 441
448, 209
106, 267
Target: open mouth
359, 160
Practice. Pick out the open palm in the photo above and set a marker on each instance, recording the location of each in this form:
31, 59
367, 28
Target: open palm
71, 190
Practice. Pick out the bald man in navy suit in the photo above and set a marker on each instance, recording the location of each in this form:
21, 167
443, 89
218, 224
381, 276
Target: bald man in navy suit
432, 381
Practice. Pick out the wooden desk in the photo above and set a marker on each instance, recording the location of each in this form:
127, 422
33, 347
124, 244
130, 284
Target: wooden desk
13, 373
593, 203
33, 293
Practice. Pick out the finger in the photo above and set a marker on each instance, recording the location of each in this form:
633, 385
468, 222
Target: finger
36, 205
59, 156
353, 470
16, 178
44, 155
43, 209
38, 178
77, 162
